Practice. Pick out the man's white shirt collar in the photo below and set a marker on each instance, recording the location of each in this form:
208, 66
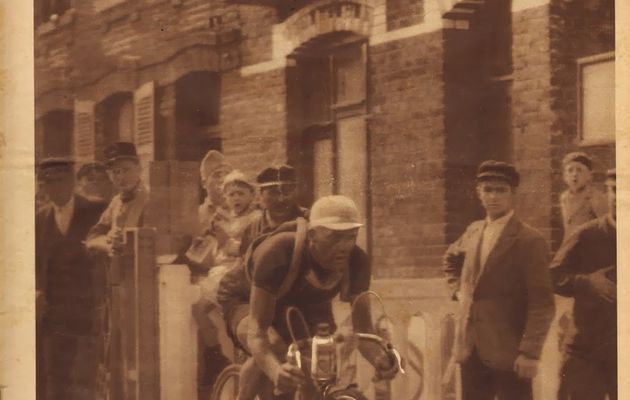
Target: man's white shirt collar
63, 215
491, 233
499, 221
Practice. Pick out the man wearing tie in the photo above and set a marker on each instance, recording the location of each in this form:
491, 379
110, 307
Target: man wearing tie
66, 355
498, 270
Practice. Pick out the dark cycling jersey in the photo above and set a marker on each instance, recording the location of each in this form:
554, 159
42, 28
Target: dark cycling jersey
312, 291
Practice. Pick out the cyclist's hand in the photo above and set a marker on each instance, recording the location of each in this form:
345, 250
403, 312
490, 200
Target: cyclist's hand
289, 377
386, 368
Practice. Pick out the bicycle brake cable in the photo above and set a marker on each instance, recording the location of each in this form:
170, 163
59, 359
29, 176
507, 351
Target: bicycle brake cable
290, 326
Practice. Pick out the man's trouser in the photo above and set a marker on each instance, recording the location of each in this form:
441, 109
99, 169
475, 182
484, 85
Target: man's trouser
583, 379
69, 366
480, 382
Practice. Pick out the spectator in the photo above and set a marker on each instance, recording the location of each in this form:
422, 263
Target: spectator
66, 356
278, 192
239, 193
94, 183
581, 202
127, 207
498, 269
585, 269
213, 169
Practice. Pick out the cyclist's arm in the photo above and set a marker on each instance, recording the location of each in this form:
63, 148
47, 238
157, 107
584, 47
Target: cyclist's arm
262, 311
362, 322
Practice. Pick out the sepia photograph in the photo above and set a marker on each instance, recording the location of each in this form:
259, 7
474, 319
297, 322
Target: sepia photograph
322, 200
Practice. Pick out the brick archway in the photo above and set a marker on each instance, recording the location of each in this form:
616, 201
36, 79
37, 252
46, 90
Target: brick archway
326, 18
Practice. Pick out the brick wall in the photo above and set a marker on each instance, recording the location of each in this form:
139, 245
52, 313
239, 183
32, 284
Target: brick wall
256, 30
253, 119
403, 13
407, 156
532, 116
87, 45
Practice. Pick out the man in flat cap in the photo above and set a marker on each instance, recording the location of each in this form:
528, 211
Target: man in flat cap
94, 183
581, 202
278, 192
499, 272
127, 207
105, 239
585, 268
64, 284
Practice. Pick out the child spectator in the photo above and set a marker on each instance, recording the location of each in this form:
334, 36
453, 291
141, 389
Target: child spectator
224, 232
581, 202
214, 168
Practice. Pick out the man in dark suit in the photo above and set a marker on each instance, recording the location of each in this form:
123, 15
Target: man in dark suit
498, 269
66, 353
585, 268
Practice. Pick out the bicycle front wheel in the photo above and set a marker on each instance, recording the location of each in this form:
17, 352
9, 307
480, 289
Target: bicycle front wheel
226, 385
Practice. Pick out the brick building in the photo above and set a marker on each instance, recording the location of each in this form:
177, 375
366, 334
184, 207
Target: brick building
393, 102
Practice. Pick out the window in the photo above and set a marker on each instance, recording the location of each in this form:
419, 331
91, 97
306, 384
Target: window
45, 10
596, 99
332, 123
117, 118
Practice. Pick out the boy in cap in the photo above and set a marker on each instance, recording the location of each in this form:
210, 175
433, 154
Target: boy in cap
94, 183
581, 202
278, 193
584, 269
306, 269
127, 207
498, 270
64, 285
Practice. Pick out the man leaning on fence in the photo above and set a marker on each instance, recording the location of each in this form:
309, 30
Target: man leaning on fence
498, 269
105, 240
127, 207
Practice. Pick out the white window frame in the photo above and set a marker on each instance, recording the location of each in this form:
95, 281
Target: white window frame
102, 5
581, 64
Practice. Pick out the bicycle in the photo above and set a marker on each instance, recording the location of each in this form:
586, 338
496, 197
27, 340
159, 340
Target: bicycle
226, 386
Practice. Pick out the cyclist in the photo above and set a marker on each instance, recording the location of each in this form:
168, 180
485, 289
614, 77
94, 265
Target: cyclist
330, 264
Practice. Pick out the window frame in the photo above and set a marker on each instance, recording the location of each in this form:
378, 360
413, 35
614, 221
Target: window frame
581, 64
101, 5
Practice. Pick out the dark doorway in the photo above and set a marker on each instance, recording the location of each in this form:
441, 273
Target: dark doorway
197, 97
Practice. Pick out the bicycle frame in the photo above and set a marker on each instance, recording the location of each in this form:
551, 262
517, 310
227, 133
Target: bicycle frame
324, 388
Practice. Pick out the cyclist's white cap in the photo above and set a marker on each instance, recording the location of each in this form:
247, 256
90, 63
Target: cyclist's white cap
338, 213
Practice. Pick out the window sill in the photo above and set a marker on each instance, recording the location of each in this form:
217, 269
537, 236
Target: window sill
595, 143
104, 5
65, 19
